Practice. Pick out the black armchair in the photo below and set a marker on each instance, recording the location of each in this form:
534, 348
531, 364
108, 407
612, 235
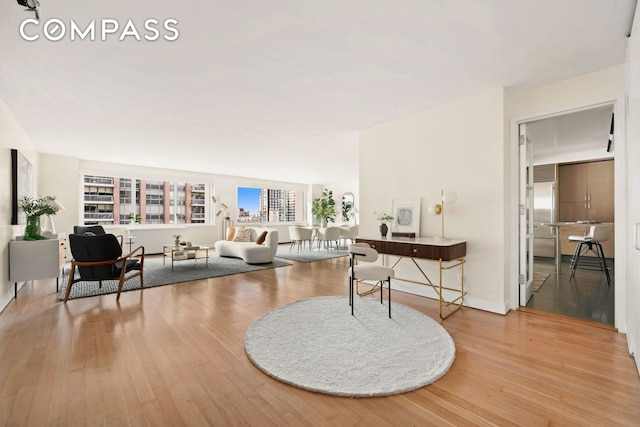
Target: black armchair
95, 229
99, 258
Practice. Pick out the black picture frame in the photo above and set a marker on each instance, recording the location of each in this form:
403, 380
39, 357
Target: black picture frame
21, 184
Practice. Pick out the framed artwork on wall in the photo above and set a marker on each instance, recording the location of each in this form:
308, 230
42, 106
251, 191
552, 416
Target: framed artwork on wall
21, 185
406, 214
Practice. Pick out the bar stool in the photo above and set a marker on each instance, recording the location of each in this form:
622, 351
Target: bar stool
591, 243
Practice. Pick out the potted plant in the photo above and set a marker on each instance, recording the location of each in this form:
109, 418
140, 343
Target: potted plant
324, 207
176, 239
134, 219
34, 209
384, 218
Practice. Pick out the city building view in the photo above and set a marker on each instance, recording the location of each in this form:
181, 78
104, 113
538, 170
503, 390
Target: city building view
113, 200
269, 205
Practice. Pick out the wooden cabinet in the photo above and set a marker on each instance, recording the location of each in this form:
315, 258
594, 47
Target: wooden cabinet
586, 191
37, 259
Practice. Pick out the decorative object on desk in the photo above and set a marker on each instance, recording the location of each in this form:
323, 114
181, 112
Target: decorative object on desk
407, 215
446, 198
21, 185
324, 208
157, 274
176, 238
34, 209
384, 218
406, 234
364, 355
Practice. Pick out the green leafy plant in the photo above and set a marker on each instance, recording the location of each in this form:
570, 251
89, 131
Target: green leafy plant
346, 210
135, 218
383, 217
38, 207
324, 207
34, 209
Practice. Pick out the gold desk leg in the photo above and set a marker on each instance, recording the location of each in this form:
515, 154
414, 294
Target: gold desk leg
369, 292
454, 302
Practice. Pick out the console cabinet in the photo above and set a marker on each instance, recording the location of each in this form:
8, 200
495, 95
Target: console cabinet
36, 259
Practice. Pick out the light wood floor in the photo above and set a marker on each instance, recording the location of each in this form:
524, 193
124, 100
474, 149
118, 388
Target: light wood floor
174, 356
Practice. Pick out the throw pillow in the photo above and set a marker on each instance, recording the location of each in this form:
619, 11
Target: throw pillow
231, 231
242, 235
261, 238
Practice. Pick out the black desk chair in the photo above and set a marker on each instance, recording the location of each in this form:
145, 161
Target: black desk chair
99, 258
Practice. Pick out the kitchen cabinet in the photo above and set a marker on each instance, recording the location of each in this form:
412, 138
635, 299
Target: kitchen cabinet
586, 191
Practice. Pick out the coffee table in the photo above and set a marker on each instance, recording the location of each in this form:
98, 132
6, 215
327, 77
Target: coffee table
185, 253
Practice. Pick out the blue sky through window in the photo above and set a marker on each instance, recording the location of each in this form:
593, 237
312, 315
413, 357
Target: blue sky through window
249, 199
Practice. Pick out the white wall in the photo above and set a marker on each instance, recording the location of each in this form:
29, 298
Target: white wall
459, 147
631, 190
11, 136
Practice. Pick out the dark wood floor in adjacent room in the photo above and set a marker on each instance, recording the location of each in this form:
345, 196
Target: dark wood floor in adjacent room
174, 356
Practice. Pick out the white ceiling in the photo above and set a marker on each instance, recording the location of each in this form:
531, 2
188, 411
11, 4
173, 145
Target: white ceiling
584, 131
279, 89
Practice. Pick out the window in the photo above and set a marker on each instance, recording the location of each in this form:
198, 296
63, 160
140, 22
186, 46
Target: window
270, 205
115, 200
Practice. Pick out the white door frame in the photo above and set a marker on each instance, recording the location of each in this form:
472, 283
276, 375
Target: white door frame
620, 233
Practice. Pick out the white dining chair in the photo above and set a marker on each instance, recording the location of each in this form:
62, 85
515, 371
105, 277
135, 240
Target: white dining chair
362, 252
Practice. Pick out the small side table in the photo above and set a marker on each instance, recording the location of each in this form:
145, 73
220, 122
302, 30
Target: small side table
129, 241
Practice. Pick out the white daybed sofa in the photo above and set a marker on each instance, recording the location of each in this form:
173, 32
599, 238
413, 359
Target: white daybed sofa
251, 252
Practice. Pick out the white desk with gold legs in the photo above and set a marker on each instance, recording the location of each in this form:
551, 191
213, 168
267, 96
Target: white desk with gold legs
449, 254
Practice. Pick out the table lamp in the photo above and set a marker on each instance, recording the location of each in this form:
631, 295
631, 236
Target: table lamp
49, 227
446, 198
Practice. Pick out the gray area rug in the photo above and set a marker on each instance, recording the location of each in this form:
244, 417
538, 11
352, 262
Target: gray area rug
157, 274
306, 255
316, 344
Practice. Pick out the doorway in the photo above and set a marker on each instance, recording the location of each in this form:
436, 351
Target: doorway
574, 136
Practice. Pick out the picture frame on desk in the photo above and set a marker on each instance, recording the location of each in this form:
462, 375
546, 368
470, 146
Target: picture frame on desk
406, 216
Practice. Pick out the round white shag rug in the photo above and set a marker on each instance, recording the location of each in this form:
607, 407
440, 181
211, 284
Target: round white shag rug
316, 344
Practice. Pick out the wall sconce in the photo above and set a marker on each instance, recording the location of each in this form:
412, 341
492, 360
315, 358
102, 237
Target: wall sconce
446, 198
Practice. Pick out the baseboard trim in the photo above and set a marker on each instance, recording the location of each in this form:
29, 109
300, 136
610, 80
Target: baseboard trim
6, 299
